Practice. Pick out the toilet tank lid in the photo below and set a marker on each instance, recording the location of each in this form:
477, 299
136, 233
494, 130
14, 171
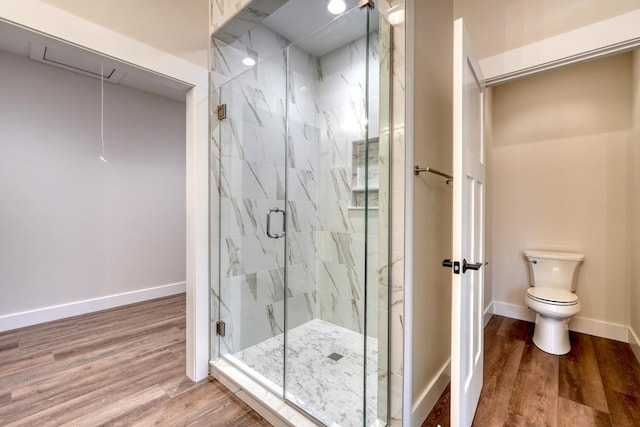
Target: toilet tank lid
564, 256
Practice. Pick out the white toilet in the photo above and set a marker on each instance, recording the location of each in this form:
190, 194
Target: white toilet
554, 276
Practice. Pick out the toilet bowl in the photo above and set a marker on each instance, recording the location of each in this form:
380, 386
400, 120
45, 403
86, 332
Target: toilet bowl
553, 278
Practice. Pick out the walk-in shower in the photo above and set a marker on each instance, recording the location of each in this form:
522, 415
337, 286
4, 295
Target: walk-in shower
300, 202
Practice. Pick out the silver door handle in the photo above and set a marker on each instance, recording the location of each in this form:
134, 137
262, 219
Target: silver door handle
269, 212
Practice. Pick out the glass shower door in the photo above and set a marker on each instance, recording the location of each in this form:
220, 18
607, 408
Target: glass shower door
331, 348
252, 218
303, 293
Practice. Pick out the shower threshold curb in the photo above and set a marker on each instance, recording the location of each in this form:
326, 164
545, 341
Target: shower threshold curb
262, 400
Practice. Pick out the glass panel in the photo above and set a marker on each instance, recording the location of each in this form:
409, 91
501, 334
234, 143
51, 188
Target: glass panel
326, 183
252, 152
378, 214
306, 314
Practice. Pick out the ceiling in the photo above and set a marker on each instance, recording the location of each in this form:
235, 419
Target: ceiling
178, 27
297, 18
54, 52
307, 23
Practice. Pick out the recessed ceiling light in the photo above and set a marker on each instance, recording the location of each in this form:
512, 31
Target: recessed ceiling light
249, 61
336, 7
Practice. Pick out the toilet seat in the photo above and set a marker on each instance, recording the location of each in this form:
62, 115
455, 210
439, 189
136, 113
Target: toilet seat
552, 296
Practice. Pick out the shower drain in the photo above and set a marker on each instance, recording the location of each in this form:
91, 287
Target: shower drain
335, 356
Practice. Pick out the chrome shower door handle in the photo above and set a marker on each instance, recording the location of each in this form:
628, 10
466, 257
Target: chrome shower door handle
272, 211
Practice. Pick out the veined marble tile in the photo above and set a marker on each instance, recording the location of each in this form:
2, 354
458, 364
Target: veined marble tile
243, 295
302, 63
302, 247
345, 312
245, 217
245, 331
383, 344
342, 60
250, 104
340, 280
253, 143
334, 186
248, 180
223, 10
396, 400
337, 248
329, 390
303, 273
300, 309
302, 153
397, 282
244, 255
396, 338
263, 41
301, 216
334, 217
301, 184
303, 125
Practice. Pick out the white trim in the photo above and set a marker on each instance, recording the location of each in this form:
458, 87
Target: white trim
407, 346
513, 311
430, 395
599, 328
488, 313
197, 256
634, 342
584, 325
609, 36
62, 311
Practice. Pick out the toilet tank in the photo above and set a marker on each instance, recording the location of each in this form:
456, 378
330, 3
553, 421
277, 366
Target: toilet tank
556, 269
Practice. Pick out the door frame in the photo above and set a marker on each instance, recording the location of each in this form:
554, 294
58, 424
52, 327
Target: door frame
600, 39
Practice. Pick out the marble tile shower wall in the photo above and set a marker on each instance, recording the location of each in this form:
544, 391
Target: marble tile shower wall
340, 237
326, 239
252, 180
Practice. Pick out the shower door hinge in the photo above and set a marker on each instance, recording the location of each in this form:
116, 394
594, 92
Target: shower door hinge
221, 111
220, 328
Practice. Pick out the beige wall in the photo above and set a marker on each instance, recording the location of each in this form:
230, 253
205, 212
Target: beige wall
560, 180
432, 197
634, 199
500, 25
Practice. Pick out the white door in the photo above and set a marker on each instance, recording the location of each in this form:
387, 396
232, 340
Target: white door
468, 231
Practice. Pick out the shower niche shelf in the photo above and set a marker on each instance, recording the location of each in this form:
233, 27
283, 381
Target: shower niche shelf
359, 176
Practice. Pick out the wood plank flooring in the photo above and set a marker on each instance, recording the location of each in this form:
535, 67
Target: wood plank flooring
596, 384
119, 367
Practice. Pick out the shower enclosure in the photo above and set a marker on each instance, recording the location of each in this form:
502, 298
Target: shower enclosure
299, 167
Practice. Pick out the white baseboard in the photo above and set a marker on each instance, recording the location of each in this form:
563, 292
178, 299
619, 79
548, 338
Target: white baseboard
488, 312
584, 325
634, 342
430, 395
513, 311
62, 311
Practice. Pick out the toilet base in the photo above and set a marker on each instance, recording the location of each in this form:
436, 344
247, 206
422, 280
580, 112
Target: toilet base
552, 335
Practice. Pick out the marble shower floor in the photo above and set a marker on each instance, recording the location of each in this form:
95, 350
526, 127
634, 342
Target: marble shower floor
330, 390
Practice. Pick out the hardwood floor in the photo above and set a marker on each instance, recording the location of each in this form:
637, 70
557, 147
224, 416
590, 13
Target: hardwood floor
125, 367
596, 384
119, 367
